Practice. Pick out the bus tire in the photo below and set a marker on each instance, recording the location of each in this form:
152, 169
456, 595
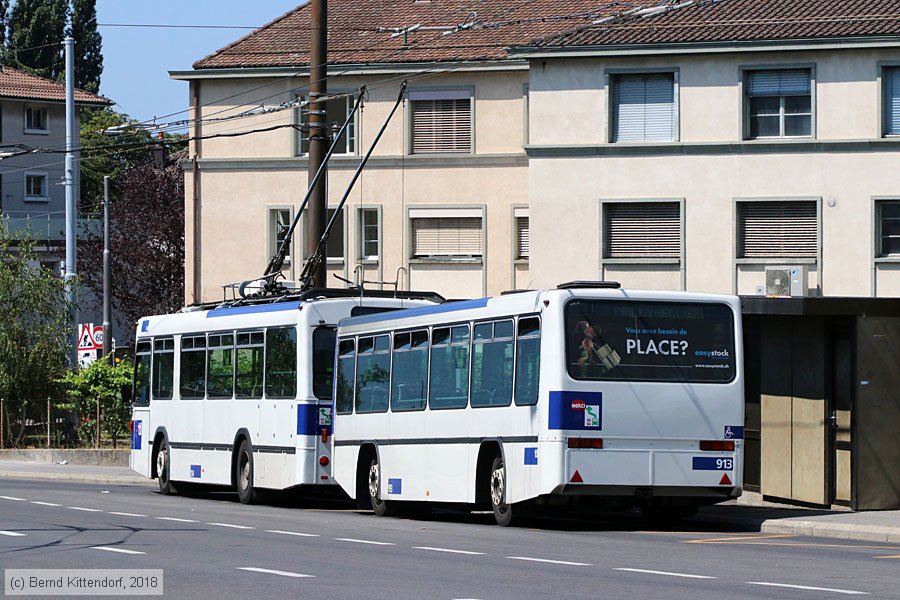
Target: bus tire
163, 464
379, 506
503, 512
243, 474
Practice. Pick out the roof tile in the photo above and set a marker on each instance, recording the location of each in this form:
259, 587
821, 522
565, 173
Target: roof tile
18, 84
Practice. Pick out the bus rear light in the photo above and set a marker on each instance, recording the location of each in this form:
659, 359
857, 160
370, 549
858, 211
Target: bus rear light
130, 426
717, 445
324, 436
595, 443
323, 460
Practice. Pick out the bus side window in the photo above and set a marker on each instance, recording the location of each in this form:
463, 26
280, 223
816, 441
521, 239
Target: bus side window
409, 371
323, 361
281, 363
248, 380
372, 374
141, 392
449, 383
492, 364
163, 368
192, 360
220, 366
528, 361
346, 373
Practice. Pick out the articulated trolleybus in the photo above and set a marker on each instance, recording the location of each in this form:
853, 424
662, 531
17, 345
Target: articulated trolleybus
584, 394
239, 394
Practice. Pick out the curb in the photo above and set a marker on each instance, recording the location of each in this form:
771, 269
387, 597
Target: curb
78, 478
846, 531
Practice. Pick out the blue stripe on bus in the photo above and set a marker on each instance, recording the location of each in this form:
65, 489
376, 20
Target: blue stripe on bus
256, 308
416, 312
311, 420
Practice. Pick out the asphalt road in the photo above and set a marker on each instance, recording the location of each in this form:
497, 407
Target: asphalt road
213, 547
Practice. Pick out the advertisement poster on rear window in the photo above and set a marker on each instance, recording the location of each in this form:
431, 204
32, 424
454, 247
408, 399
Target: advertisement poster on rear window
650, 341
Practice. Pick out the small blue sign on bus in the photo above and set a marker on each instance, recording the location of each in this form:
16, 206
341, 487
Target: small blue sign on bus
395, 487
531, 456
195, 471
734, 432
713, 463
137, 435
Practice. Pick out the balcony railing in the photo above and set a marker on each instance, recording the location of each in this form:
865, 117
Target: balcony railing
50, 229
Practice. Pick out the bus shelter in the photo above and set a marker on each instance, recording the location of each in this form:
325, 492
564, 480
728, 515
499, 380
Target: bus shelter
822, 421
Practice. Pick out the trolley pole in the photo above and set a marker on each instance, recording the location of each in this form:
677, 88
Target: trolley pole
69, 176
318, 132
107, 284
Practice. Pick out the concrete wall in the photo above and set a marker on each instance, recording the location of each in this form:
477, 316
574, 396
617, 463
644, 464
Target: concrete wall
243, 176
846, 167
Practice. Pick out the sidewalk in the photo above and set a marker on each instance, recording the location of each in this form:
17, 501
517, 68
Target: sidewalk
750, 513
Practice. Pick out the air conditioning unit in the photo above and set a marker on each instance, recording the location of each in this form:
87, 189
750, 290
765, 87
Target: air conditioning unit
787, 282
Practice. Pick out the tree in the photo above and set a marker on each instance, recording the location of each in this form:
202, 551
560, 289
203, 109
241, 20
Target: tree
104, 382
88, 45
146, 241
4, 11
36, 31
35, 333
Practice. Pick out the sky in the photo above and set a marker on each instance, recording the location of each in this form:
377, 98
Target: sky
137, 60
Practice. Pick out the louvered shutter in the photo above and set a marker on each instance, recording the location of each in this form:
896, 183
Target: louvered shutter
777, 229
441, 125
891, 84
523, 238
643, 230
644, 108
790, 82
446, 236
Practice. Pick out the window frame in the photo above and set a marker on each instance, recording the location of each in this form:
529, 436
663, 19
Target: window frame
297, 118
153, 366
375, 352
431, 93
272, 212
45, 130
884, 67
743, 79
468, 346
394, 350
341, 340
440, 212
736, 239
878, 246
516, 337
361, 257
610, 76
45, 187
180, 354
493, 321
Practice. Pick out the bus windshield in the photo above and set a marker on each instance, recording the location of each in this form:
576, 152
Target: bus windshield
621, 340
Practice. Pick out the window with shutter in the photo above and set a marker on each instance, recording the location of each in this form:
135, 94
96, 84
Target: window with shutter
434, 237
643, 108
642, 230
778, 103
780, 229
523, 239
888, 212
891, 82
441, 122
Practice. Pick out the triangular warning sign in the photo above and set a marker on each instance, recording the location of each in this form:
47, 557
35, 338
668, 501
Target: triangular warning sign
86, 340
576, 477
725, 479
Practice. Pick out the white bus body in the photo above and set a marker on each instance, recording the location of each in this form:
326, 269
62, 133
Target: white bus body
238, 391
637, 398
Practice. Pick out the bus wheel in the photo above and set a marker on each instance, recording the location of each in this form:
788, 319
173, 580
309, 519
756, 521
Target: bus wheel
244, 474
503, 512
162, 469
379, 506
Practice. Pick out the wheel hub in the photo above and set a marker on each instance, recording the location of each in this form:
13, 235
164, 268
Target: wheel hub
497, 487
373, 481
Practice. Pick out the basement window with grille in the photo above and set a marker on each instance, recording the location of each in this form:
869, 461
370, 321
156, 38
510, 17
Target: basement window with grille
642, 230
777, 229
441, 122
452, 234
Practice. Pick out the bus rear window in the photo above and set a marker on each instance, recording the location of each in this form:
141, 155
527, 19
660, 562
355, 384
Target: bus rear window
616, 340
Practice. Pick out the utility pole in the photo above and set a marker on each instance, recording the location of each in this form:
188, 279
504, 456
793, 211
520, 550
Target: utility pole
318, 132
71, 214
107, 284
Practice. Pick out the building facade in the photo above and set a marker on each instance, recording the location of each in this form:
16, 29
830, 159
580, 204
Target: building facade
693, 147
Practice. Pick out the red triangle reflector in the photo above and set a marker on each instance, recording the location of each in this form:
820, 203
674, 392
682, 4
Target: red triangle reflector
725, 480
576, 478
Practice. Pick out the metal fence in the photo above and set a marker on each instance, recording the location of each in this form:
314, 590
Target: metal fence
46, 424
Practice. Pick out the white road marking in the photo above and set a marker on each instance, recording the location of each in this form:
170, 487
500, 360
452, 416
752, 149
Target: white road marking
232, 526
119, 550
84, 509
547, 560
45, 503
12, 533
450, 550
13, 498
688, 575
356, 541
176, 519
124, 514
297, 533
274, 572
810, 588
